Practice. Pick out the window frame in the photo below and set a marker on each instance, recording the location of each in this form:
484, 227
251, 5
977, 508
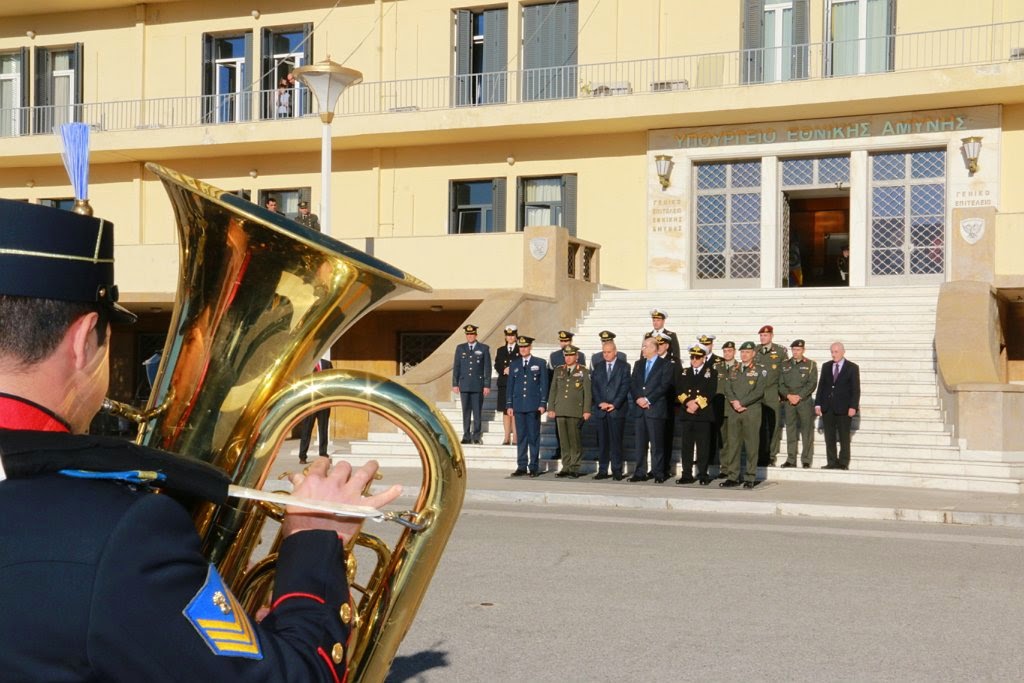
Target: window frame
496, 206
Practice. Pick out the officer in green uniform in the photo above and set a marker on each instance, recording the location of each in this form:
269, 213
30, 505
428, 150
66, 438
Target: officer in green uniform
797, 381
770, 356
725, 362
306, 218
744, 393
569, 403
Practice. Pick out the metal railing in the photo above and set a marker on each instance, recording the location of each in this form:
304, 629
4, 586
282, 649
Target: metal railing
965, 46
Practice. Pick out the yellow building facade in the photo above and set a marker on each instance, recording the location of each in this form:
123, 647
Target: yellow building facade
676, 144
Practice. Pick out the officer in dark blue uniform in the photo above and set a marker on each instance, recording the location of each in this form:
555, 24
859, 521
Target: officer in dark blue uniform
527, 400
101, 579
471, 379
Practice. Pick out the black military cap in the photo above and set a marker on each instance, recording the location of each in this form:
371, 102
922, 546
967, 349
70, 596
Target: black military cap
511, 330
570, 350
524, 340
48, 253
797, 343
606, 335
303, 205
698, 351
747, 346
565, 335
470, 329
729, 345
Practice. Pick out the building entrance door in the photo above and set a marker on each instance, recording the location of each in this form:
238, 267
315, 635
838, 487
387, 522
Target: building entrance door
819, 229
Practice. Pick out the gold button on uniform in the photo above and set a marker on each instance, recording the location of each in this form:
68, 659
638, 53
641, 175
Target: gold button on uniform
337, 653
346, 613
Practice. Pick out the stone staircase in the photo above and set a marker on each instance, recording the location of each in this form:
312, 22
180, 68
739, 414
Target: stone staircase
901, 438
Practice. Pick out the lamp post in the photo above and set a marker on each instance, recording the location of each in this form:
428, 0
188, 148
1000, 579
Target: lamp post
326, 80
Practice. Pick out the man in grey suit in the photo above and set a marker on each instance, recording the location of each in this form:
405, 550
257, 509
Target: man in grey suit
471, 379
649, 385
836, 402
609, 382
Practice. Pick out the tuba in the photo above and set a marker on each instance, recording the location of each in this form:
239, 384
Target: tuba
260, 299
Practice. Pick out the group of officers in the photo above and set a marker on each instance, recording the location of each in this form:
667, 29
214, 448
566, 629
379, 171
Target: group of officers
721, 406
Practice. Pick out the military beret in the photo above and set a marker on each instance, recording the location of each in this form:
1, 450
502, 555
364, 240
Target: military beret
729, 345
747, 346
510, 330
470, 329
565, 335
523, 340
698, 351
303, 205
606, 335
797, 343
706, 338
48, 253
570, 350
766, 328
655, 313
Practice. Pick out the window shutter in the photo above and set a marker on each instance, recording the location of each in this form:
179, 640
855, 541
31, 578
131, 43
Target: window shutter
801, 31
891, 31
453, 217
498, 203
43, 115
569, 203
495, 55
307, 43
208, 77
267, 61
520, 205
752, 61
77, 65
568, 39
463, 57
245, 112
23, 121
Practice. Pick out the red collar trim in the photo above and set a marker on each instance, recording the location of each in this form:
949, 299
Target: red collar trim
22, 414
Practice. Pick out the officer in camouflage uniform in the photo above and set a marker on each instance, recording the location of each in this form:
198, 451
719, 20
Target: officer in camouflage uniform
569, 403
797, 381
770, 356
744, 393
722, 366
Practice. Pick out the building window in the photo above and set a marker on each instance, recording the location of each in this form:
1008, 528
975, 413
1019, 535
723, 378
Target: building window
481, 56
908, 214
728, 230
58, 79
550, 34
775, 36
476, 206
860, 36
283, 50
63, 203
226, 78
416, 347
287, 199
816, 172
548, 201
13, 92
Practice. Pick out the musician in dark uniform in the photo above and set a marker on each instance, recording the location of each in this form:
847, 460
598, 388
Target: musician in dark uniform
471, 379
101, 579
695, 389
503, 358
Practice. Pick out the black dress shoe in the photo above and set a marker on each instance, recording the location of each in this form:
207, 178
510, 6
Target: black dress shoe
601, 475
618, 477
302, 461
721, 475
659, 480
636, 478
465, 440
807, 465
729, 483
788, 464
478, 442
563, 473
519, 473
842, 467
685, 479
535, 474
575, 475
829, 467
749, 484
704, 481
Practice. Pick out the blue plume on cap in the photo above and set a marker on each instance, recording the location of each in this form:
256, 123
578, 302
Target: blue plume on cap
74, 139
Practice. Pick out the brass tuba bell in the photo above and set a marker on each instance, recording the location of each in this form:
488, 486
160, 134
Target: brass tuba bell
260, 299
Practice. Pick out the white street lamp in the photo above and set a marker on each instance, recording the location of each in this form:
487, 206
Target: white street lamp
326, 80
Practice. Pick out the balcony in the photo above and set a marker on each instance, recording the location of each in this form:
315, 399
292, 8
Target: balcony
995, 50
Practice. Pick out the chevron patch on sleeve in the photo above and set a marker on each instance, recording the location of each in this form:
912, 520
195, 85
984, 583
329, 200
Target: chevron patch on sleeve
216, 615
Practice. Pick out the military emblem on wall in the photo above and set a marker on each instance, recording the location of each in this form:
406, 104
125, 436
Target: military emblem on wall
972, 229
539, 248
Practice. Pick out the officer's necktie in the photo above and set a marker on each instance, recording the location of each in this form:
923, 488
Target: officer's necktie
472, 346
648, 370
835, 372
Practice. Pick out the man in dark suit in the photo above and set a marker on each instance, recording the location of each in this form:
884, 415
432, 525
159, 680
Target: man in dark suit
527, 400
322, 418
649, 386
836, 402
137, 599
695, 390
605, 336
503, 358
471, 379
609, 381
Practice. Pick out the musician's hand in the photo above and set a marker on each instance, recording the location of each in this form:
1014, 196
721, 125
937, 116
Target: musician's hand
338, 485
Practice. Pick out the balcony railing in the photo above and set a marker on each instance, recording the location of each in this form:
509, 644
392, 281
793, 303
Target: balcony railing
965, 46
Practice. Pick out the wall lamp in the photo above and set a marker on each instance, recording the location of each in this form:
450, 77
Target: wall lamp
663, 165
972, 150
